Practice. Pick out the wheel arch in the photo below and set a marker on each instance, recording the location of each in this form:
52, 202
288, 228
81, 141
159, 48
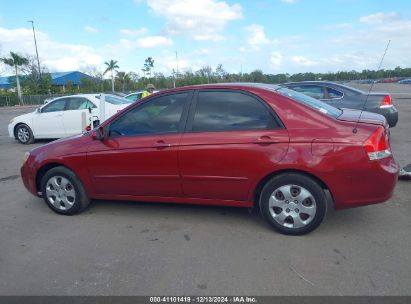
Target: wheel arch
43, 170
19, 124
265, 179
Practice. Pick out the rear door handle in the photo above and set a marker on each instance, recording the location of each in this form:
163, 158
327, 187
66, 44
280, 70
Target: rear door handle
266, 140
161, 144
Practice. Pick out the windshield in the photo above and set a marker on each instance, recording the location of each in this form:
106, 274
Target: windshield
311, 102
116, 100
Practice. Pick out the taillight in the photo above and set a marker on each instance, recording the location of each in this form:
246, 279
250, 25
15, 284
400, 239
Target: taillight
88, 128
377, 145
386, 102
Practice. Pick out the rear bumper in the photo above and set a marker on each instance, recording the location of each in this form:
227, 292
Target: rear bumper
371, 184
390, 114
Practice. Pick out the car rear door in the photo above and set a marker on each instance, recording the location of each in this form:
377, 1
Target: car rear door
140, 155
77, 115
231, 138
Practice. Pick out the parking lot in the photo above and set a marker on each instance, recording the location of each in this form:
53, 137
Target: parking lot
131, 248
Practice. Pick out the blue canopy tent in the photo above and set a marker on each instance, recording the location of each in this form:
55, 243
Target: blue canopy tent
58, 79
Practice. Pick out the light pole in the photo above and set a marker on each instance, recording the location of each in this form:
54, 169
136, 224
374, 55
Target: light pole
35, 43
177, 63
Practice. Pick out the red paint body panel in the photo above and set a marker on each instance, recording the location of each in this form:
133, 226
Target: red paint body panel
225, 168
223, 165
135, 166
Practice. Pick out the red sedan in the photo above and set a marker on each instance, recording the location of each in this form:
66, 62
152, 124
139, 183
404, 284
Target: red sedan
240, 145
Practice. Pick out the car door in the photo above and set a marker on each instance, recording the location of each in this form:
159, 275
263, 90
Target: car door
48, 123
231, 138
77, 115
140, 155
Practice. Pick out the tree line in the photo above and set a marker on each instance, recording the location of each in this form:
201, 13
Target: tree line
28, 80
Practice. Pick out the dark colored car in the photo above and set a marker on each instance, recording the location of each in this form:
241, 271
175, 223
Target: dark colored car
341, 96
405, 81
240, 145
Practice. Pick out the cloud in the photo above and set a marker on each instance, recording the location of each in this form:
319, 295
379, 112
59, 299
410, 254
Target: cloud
146, 42
201, 52
256, 36
55, 55
381, 27
276, 60
379, 18
199, 20
289, 1
339, 26
90, 29
133, 32
154, 41
303, 61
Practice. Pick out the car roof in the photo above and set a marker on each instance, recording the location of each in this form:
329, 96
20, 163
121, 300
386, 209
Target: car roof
228, 85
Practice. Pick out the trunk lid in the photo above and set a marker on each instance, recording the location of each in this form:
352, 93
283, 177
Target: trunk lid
366, 117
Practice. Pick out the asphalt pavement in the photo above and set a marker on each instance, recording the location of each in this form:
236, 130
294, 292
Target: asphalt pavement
132, 248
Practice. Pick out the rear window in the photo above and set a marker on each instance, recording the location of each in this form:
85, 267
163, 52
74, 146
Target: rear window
311, 102
230, 111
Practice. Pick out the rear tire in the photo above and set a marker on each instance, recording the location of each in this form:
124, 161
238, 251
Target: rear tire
293, 203
63, 192
24, 135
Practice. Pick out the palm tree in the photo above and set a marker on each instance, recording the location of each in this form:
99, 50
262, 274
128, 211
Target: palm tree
111, 67
16, 61
124, 78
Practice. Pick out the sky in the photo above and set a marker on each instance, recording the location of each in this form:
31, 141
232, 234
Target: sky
275, 36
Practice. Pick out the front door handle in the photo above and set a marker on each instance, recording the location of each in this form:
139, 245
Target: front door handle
161, 144
264, 140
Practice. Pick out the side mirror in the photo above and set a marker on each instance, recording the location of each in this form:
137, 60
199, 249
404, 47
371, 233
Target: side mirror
38, 110
89, 110
101, 133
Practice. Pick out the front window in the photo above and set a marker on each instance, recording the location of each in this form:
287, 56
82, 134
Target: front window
311, 102
54, 106
161, 115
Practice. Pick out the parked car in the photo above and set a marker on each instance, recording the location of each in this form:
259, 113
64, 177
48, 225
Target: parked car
61, 117
240, 145
405, 81
136, 96
341, 96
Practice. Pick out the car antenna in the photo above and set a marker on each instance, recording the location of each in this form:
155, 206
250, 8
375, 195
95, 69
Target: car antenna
354, 130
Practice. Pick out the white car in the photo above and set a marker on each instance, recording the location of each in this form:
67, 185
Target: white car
64, 116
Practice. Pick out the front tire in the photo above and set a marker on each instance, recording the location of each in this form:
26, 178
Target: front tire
63, 192
24, 134
293, 203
